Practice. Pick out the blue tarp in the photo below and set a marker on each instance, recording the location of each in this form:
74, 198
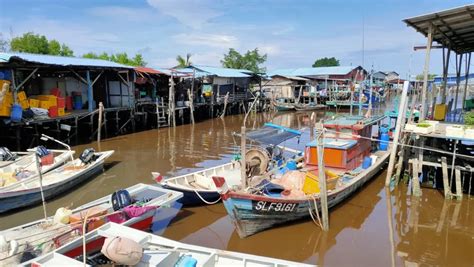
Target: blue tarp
272, 134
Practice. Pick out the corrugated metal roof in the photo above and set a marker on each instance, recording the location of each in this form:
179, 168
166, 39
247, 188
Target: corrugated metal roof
59, 60
149, 70
223, 72
339, 70
452, 28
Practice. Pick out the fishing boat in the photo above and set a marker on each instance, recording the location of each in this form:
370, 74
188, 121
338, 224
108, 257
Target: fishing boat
309, 106
198, 187
146, 249
24, 167
42, 236
349, 161
53, 183
284, 104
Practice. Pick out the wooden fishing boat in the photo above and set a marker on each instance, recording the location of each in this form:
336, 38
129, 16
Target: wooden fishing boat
347, 146
284, 104
309, 106
155, 251
55, 182
25, 168
198, 187
42, 236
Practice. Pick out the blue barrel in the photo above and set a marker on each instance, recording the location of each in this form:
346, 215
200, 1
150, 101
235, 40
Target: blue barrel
17, 113
384, 139
77, 102
366, 163
291, 165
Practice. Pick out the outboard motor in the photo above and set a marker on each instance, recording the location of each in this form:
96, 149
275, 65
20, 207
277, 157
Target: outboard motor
88, 156
6, 155
121, 199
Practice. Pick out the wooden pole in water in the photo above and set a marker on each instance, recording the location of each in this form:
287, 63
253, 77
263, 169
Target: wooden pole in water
400, 120
425, 73
322, 177
191, 95
40, 174
101, 111
311, 126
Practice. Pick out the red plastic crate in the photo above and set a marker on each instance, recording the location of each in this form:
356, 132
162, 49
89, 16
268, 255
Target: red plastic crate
53, 112
61, 102
56, 92
47, 160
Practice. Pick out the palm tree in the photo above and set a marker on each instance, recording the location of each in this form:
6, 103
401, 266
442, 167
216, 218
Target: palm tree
182, 63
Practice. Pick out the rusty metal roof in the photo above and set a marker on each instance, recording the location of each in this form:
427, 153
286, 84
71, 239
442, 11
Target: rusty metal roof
452, 28
149, 70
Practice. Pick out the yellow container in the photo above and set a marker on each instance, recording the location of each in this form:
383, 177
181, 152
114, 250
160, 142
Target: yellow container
7, 100
21, 96
53, 100
440, 112
45, 104
34, 103
2, 82
24, 104
5, 111
61, 112
311, 182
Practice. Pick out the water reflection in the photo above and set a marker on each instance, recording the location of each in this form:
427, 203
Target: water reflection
372, 228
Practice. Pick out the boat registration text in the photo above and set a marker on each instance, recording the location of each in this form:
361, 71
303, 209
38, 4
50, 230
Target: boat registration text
273, 207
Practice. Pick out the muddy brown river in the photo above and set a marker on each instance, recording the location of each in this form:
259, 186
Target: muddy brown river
368, 229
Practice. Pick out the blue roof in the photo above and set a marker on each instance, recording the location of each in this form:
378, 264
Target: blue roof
339, 70
452, 78
59, 60
223, 72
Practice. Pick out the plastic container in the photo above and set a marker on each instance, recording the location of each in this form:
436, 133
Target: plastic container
68, 102
34, 103
47, 159
53, 112
21, 95
25, 104
56, 92
61, 112
5, 111
77, 99
291, 165
311, 182
61, 102
17, 113
384, 139
366, 163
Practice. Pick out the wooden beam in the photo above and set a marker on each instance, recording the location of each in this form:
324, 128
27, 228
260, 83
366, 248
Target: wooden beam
79, 76
26, 79
446, 188
96, 78
425, 73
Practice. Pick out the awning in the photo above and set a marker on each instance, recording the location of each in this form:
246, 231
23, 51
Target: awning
272, 134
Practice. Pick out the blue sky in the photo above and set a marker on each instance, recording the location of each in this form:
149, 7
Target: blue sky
292, 33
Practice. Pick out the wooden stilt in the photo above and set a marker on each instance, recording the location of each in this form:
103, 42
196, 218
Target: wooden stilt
99, 125
458, 79
458, 184
415, 181
398, 127
467, 67
446, 188
445, 75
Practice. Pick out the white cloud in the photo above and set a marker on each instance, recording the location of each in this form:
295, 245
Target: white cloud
203, 39
192, 13
122, 13
270, 50
283, 30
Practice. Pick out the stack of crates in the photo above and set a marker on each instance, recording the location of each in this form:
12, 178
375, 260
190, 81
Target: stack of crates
23, 100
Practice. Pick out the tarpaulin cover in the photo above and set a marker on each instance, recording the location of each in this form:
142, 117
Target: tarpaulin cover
272, 134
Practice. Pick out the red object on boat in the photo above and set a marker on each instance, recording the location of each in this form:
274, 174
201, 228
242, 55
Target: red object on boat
47, 159
56, 92
53, 112
61, 102
68, 102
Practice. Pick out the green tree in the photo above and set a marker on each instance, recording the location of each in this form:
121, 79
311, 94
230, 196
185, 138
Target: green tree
251, 60
419, 77
182, 62
39, 44
121, 58
3, 43
326, 62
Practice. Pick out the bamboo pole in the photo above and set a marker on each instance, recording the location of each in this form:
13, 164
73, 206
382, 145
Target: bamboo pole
191, 105
425, 72
322, 177
398, 127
